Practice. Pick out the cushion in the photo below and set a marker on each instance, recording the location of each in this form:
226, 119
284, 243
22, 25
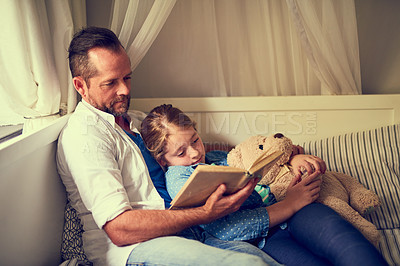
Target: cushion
371, 156
389, 246
72, 246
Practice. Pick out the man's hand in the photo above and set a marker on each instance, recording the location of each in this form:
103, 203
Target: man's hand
219, 205
134, 226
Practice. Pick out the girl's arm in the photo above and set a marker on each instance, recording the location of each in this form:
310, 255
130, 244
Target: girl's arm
299, 194
176, 177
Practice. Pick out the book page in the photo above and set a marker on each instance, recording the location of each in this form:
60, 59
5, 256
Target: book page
264, 163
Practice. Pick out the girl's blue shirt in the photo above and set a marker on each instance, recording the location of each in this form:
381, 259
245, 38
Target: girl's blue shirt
157, 174
250, 222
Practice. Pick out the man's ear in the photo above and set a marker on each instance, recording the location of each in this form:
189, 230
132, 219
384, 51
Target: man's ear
80, 86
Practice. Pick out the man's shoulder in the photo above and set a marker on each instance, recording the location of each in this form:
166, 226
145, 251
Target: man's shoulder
86, 132
84, 122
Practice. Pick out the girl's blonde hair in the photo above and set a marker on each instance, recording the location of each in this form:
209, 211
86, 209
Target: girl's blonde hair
155, 127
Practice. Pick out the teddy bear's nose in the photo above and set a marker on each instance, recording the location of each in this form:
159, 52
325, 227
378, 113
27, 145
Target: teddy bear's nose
278, 135
261, 147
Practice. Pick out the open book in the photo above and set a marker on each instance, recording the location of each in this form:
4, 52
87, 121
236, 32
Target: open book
206, 178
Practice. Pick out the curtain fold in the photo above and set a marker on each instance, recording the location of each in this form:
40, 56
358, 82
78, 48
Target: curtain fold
251, 48
226, 48
28, 79
198, 49
34, 77
135, 30
328, 32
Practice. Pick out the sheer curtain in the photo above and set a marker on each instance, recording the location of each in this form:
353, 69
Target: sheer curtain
185, 48
328, 32
35, 80
251, 48
137, 24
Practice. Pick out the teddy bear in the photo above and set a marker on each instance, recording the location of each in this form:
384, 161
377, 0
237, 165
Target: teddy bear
341, 192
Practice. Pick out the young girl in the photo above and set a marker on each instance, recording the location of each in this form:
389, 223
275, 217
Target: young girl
315, 234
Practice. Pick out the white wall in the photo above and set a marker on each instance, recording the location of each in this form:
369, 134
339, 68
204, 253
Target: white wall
379, 40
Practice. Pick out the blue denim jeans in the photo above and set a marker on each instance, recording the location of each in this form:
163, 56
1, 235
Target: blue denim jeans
317, 235
194, 246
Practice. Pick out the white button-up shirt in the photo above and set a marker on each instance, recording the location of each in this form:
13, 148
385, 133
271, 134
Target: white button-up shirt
105, 174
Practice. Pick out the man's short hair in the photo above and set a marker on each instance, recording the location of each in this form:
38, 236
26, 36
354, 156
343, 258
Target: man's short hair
82, 42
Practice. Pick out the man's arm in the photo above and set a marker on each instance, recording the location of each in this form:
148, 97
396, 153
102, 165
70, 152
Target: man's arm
134, 226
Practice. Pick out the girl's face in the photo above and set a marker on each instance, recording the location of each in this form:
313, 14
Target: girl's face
184, 147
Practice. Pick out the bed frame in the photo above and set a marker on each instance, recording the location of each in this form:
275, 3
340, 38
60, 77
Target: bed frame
32, 197
302, 118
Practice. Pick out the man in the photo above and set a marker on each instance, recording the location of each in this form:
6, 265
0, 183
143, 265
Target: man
108, 181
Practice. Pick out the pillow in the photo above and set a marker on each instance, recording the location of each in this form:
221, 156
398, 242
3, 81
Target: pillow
72, 246
389, 245
372, 157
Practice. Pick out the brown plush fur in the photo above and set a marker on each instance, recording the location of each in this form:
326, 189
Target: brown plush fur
339, 191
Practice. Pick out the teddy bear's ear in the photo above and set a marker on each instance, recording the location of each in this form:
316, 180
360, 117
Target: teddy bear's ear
235, 158
278, 142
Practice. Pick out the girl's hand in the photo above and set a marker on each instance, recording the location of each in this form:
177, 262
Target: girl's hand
300, 193
302, 163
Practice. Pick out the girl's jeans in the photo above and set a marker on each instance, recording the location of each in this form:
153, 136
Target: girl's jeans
316, 232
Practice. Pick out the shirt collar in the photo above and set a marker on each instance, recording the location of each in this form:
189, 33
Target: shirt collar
106, 116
